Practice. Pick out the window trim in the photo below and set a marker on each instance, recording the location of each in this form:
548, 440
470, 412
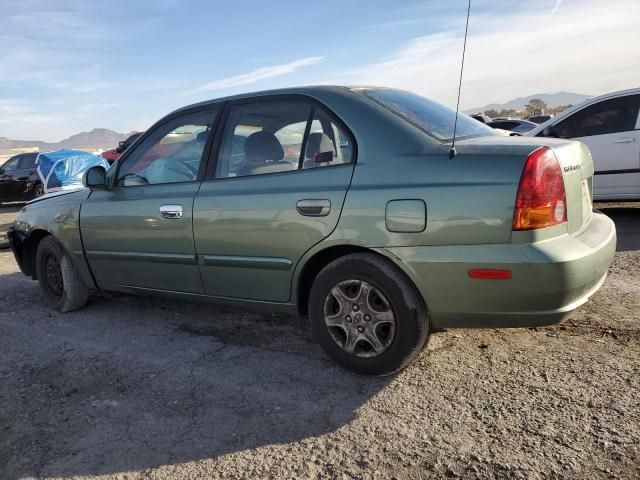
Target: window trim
596, 102
219, 106
212, 162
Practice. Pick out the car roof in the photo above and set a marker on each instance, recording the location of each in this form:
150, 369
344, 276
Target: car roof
310, 90
579, 106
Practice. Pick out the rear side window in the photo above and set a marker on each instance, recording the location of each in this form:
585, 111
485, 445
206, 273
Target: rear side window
28, 161
280, 136
609, 116
431, 117
327, 143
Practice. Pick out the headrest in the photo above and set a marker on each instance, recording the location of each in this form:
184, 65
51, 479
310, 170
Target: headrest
262, 146
318, 142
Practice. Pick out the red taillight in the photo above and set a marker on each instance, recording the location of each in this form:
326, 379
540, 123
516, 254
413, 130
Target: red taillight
541, 200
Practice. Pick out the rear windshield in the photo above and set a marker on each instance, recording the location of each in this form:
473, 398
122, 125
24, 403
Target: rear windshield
429, 116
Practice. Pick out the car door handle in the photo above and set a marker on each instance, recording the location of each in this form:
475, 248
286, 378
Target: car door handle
624, 140
314, 207
171, 211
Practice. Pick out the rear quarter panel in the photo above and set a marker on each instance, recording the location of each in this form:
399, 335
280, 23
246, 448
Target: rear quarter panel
469, 199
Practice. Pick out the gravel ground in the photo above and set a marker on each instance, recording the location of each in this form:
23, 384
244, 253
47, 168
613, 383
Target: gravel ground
144, 388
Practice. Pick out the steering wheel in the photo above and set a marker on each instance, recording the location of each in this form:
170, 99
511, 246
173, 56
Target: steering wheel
132, 179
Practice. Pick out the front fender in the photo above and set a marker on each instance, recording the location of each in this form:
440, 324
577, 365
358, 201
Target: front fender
57, 215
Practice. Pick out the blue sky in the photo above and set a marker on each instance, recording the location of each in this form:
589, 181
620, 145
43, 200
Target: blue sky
71, 65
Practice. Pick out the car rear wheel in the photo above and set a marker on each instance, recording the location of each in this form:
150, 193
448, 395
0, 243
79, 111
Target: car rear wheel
367, 315
60, 283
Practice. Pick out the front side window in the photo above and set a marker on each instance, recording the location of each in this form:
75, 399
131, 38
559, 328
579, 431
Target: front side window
11, 164
172, 153
276, 136
609, 116
431, 117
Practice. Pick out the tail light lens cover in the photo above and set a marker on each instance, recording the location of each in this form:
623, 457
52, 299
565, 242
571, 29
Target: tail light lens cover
541, 200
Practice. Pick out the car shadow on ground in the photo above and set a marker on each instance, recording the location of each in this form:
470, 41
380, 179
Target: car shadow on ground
131, 383
627, 220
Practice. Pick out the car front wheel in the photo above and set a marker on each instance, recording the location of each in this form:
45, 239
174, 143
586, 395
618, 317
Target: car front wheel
60, 283
38, 190
367, 315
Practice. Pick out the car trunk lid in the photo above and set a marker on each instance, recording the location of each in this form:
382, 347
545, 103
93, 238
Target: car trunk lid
575, 162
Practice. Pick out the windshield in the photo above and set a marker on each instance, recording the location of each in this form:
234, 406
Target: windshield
429, 116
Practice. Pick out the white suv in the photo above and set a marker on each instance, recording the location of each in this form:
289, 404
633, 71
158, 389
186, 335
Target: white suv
610, 126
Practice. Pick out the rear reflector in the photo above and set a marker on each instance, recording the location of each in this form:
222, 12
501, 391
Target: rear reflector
541, 201
490, 274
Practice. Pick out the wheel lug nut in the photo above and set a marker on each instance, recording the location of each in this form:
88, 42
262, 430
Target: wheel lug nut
348, 318
360, 329
356, 308
367, 317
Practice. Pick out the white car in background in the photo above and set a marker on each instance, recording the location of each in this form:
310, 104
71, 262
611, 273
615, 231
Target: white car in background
610, 126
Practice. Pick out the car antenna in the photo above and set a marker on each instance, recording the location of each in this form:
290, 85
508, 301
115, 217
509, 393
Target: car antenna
452, 150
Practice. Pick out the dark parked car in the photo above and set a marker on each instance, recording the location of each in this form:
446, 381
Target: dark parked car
481, 117
513, 125
540, 118
114, 154
19, 179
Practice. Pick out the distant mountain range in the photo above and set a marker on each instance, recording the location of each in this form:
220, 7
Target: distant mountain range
551, 99
96, 139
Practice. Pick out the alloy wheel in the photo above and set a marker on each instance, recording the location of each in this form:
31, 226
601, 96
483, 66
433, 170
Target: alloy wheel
359, 318
54, 275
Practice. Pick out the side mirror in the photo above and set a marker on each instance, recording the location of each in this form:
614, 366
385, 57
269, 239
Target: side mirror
121, 147
95, 178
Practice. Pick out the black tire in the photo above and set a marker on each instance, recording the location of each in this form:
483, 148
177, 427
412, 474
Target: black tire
38, 190
406, 305
60, 284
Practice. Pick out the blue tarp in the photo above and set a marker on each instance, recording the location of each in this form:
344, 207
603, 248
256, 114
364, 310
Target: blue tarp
63, 169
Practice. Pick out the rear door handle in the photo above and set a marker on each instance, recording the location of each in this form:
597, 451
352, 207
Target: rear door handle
314, 207
171, 211
624, 140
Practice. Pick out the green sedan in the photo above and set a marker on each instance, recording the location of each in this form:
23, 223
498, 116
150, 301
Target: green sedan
344, 204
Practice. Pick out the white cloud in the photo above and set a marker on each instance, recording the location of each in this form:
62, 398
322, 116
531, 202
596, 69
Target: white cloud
584, 48
14, 112
256, 75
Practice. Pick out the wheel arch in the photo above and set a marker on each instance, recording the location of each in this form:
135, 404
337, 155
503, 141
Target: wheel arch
320, 259
29, 249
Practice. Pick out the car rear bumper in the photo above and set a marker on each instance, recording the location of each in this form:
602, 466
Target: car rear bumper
549, 280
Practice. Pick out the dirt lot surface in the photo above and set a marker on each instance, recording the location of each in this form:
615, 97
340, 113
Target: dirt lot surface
144, 388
